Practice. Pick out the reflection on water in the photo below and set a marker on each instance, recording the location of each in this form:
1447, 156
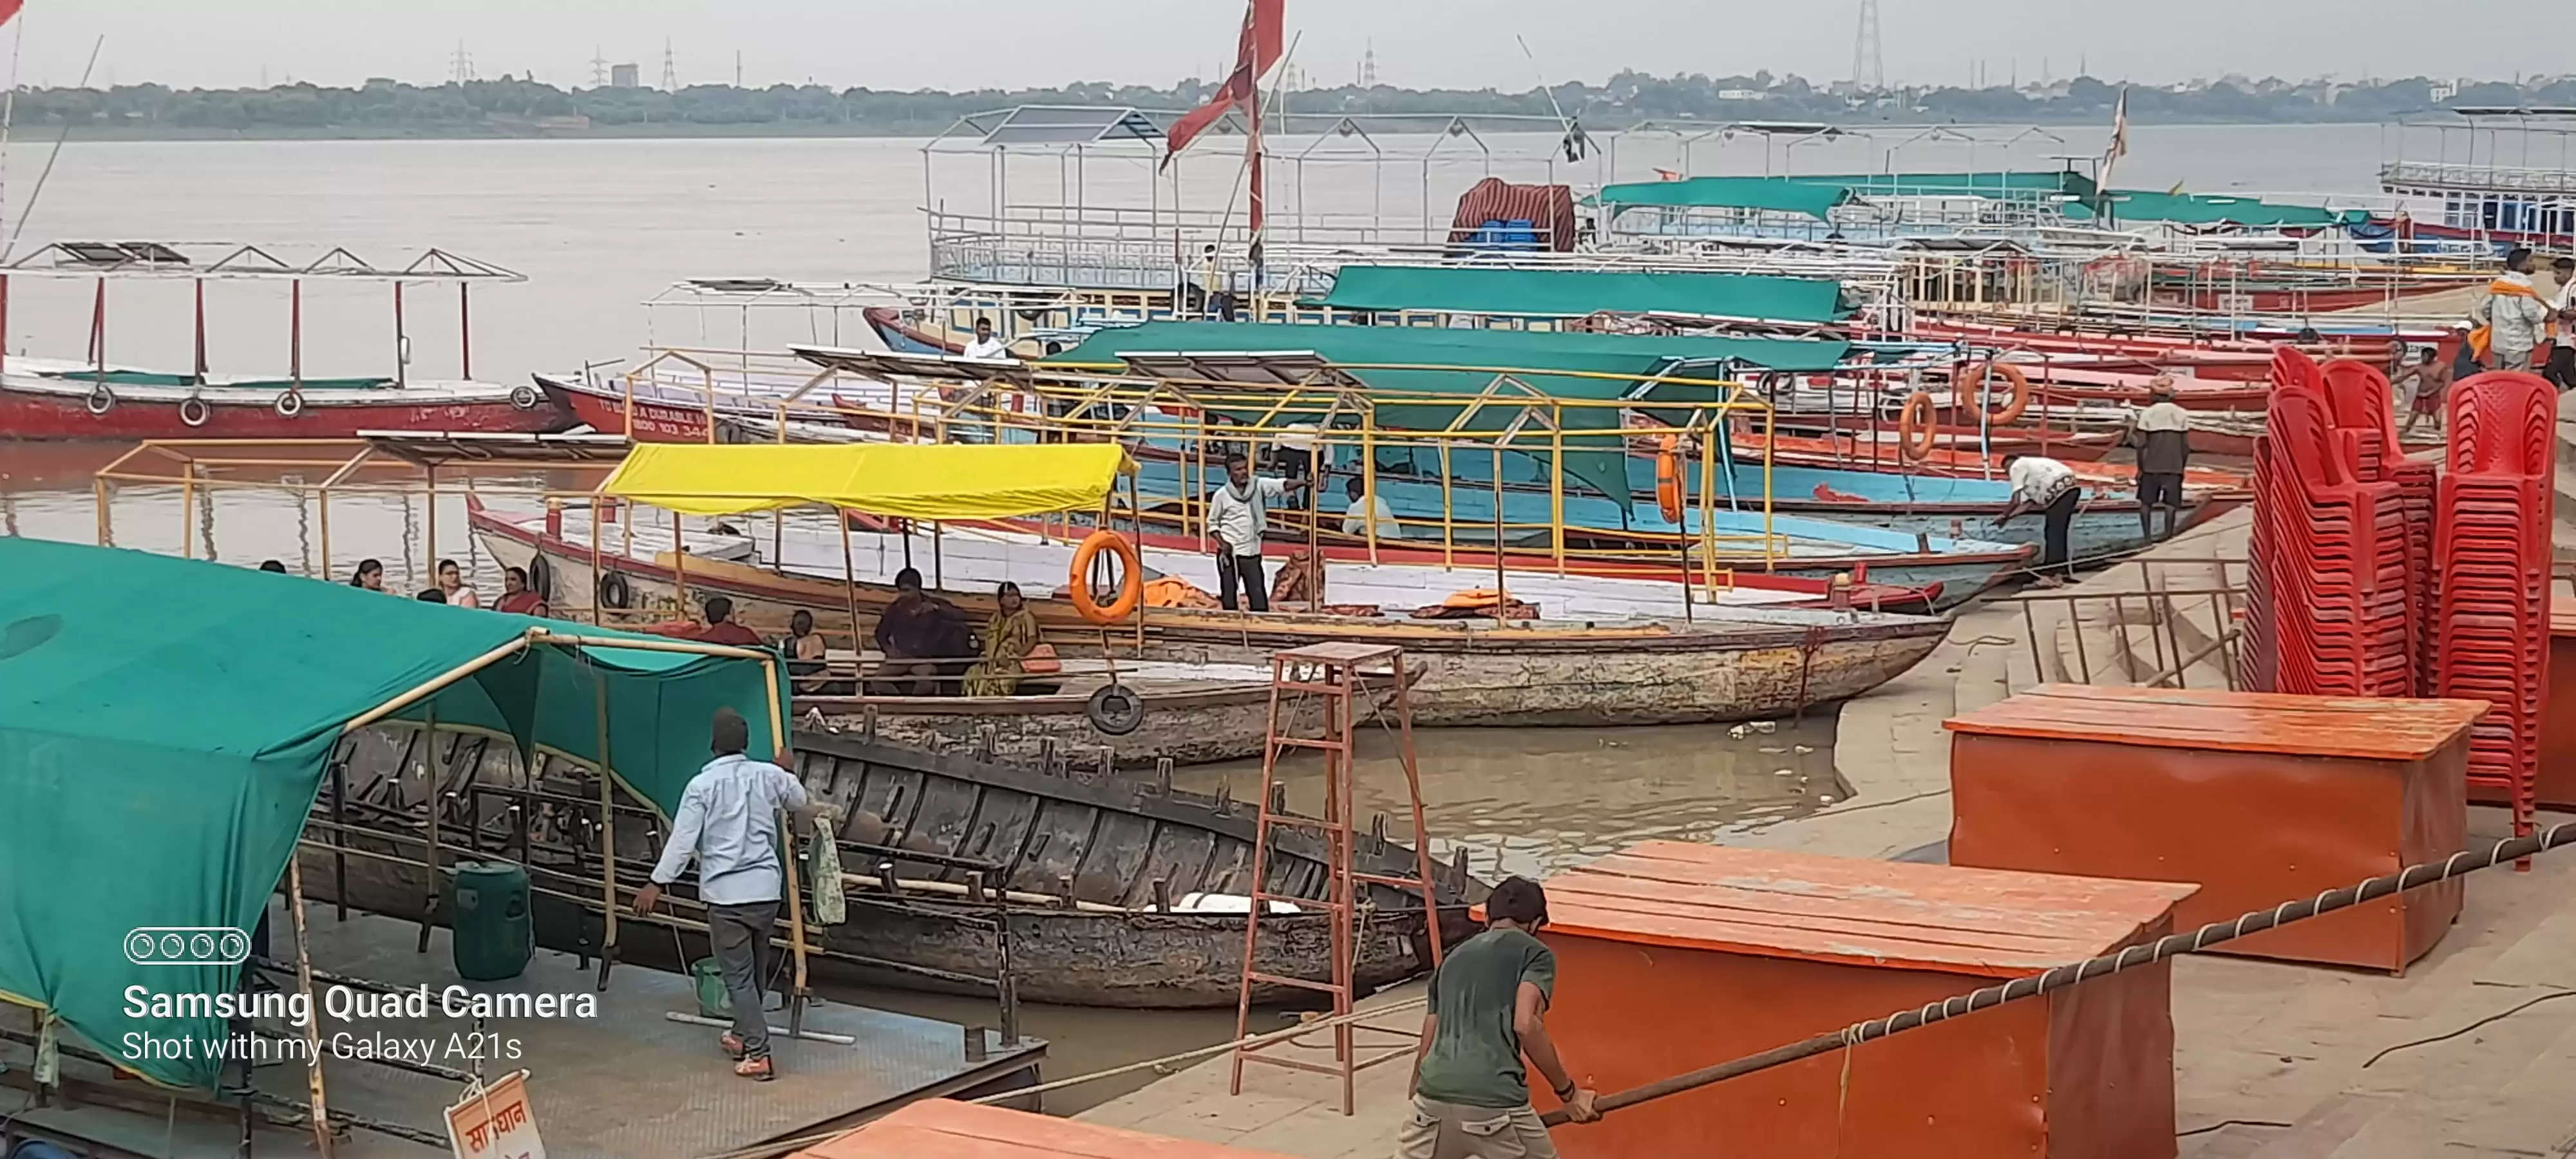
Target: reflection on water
1533, 801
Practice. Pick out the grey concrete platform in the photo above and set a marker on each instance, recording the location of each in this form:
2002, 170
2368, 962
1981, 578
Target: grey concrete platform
627, 1083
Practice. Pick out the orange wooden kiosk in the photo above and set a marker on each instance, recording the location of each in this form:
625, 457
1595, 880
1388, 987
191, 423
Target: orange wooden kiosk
2256, 797
941, 1129
2556, 787
1672, 956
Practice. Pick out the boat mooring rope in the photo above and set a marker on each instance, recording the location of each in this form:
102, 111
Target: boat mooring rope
2061, 977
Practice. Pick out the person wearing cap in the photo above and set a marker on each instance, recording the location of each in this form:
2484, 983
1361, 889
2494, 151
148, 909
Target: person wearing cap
1489, 1002
2162, 435
728, 820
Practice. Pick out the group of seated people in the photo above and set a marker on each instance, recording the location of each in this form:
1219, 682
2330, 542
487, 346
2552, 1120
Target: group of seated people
928, 646
517, 597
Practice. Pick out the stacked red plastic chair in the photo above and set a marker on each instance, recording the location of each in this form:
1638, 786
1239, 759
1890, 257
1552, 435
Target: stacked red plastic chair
2363, 406
2331, 594
2490, 632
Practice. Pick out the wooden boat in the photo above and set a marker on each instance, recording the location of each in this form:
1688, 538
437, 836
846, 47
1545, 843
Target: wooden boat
1731, 661
1082, 861
54, 399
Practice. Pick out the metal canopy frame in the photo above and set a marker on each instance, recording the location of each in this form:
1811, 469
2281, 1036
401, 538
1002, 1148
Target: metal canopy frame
238, 260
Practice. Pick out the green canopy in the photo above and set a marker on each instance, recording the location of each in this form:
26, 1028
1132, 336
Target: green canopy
1580, 293
1771, 194
2212, 209
1421, 361
164, 727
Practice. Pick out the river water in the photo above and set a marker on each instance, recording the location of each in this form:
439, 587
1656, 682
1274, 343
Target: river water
598, 227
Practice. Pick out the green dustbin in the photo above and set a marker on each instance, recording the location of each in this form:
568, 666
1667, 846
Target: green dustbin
713, 1000
494, 934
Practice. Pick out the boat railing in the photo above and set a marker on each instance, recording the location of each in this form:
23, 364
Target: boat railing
2153, 622
2467, 176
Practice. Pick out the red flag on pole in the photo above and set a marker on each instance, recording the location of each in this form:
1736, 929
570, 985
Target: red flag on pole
1258, 49
9, 9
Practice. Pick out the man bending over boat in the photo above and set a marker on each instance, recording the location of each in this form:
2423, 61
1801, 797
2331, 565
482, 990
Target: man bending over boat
2047, 486
728, 820
1239, 512
923, 637
1489, 1009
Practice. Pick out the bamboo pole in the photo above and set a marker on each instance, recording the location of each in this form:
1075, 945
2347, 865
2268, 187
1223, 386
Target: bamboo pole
607, 838
304, 987
849, 582
99, 500
1556, 489
771, 673
679, 565
188, 512
431, 556
598, 607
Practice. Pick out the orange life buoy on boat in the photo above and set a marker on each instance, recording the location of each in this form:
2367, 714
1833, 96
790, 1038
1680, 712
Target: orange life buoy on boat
1131, 586
1916, 433
2020, 383
1668, 479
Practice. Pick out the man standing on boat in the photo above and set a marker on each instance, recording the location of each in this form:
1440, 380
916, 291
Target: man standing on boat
1489, 1004
2515, 314
728, 820
1238, 512
2047, 486
987, 345
2162, 435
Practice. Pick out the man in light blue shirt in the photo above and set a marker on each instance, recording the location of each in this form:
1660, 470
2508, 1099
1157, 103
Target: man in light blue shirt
728, 820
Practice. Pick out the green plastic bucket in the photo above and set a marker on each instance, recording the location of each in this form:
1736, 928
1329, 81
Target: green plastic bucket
713, 1002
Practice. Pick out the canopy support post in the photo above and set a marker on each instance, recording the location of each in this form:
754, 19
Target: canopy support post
432, 777
430, 557
797, 997
607, 838
679, 564
850, 591
1501, 596
598, 608
464, 332
1368, 477
304, 987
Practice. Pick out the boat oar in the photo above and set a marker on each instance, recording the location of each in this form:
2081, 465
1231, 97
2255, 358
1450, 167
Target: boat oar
2061, 977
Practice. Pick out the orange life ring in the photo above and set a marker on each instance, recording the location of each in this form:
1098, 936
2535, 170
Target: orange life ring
1916, 420
1668, 479
1131, 589
2020, 384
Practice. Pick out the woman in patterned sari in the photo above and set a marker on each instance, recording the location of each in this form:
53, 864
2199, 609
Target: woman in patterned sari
1009, 637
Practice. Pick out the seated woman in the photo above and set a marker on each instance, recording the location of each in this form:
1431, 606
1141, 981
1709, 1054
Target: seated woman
1009, 638
804, 650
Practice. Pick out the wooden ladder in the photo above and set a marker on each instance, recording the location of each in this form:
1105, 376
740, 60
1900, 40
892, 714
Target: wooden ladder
1338, 676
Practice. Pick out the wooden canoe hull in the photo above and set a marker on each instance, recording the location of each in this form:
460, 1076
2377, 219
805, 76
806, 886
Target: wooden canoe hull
1095, 841
1497, 677
1190, 727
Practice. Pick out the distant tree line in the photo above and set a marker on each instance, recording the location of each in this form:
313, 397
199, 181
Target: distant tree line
388, 108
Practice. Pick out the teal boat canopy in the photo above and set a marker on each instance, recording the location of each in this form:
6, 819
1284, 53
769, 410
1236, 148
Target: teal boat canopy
1818, 195
2140, 205
1580, 293
1417, 361
164, 729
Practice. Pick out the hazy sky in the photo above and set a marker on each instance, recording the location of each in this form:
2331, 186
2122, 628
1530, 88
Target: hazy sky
1451, 43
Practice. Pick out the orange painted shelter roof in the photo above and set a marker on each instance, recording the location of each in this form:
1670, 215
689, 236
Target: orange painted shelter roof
1988, 922
942, 1129
2364, 727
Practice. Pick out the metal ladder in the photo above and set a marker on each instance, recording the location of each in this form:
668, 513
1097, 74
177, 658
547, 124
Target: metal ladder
1338, 676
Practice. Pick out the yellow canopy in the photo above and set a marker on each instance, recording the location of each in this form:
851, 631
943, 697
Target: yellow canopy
909, 480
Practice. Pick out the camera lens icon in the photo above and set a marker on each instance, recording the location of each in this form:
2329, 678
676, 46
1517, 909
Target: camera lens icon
186, 946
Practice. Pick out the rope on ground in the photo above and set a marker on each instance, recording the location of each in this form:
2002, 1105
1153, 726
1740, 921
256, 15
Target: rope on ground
1248, 1042
2498, 1016
2059, 978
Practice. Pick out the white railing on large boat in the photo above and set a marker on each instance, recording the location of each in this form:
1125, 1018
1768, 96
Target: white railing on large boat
2477, 177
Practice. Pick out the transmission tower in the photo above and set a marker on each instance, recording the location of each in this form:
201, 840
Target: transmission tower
1869, 63
461, 65
1368, 66
670, 69
598, 68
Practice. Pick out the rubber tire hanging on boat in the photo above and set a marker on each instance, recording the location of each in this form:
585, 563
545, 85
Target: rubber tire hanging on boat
2020, 383
1916, 418
100, 401
524, 397
541, 578
1115, 710
613, 591
290, 404
204, 412
1131, 583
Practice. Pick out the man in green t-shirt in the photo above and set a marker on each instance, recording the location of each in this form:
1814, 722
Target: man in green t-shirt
1488, 1008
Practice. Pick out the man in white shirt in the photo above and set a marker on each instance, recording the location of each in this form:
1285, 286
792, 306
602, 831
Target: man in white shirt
2515, 314
1367, 509
2048, 487
986, 345
728, 820
2562, 318
1238, 512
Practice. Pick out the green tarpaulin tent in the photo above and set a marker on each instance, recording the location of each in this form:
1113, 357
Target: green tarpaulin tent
2141, 205
164, 727
1581, 293
1412, 362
